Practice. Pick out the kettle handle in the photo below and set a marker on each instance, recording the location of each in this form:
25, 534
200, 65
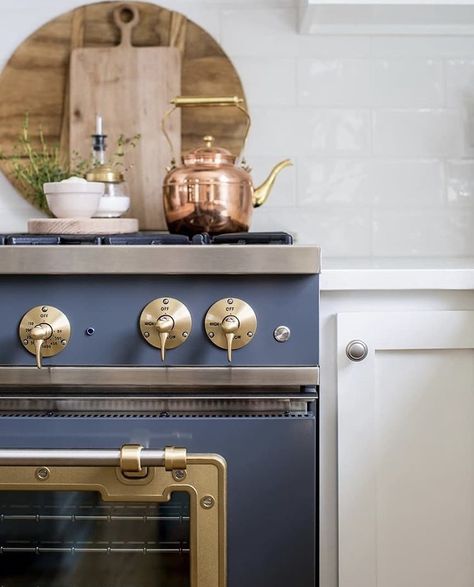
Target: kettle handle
199, 101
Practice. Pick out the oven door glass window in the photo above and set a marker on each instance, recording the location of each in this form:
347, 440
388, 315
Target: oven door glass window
74, 539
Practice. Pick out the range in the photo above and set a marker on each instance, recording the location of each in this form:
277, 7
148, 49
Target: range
159, 410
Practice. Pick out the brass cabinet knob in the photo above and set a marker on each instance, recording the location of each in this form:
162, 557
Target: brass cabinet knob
44, 331
357, 350
165, 323
230, 324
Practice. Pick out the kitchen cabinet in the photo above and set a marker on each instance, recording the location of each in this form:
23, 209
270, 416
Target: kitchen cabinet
406, 449
396, 429
400, 17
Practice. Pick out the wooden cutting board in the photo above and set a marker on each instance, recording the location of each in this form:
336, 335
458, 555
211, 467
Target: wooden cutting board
82, 225
131, 87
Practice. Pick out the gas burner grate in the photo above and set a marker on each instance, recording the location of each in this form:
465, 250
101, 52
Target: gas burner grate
253, 238
146, 239
149, 238
51, 239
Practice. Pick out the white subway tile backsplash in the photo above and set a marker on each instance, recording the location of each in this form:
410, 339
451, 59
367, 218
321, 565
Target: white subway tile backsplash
460, 182
413, 46
408, 83
344, 182
14, 220
418, 133
260, 32
10, 198
267, 218
334, 46
460, 84
334, 82
344, 232
409, 183
273, 131
341, 232
424, 233
379, 183
344, 131
268, 81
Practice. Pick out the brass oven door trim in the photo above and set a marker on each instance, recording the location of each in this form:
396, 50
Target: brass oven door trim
202, 476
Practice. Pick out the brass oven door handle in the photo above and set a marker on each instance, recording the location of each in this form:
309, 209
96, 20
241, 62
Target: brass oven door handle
129, 458
77, 457
136, 474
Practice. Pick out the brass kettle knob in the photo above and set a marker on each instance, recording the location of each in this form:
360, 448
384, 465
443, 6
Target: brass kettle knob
44, 331
165, 323
230, 324
209, 140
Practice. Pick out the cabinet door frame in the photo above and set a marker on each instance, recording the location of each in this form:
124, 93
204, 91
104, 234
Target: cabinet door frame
381, 331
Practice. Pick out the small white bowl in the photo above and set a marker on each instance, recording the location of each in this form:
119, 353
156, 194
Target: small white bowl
112, 206
74, 197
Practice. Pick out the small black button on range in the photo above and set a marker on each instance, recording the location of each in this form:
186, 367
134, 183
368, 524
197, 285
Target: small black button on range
90, 331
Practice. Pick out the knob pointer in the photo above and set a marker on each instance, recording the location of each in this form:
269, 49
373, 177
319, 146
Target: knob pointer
164, 326
230, 325
39, 334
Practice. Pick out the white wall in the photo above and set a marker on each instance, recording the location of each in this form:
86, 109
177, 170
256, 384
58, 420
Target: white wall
381, 129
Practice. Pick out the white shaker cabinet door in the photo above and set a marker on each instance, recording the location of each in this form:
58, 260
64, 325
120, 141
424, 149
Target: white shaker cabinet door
406, 449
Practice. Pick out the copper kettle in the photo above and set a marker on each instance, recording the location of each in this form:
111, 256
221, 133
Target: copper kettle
209, 192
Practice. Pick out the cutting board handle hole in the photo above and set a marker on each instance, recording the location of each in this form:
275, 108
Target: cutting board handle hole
126, 17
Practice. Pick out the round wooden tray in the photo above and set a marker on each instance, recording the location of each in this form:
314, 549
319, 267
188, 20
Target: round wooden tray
82, 225
35, 79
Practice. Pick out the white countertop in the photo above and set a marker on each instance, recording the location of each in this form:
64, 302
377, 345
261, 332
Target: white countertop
340, 274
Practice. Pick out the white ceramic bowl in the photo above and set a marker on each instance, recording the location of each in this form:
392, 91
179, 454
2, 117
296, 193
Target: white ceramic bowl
74, 197
112, 206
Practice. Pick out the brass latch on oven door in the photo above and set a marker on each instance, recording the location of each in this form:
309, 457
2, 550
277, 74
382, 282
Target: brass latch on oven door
174, 459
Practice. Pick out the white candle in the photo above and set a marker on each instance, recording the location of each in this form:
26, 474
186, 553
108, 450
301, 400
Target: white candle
98, 125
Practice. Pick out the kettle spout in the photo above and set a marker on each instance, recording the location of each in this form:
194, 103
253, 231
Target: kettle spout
261, 193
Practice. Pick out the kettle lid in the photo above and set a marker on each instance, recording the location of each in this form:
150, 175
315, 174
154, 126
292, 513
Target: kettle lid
209, 155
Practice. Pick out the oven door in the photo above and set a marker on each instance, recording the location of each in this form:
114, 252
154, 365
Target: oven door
160, 530
114, 518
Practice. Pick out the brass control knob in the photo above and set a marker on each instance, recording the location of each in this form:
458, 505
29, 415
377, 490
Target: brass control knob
44, 331
164, 326
165, 323
230, 324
